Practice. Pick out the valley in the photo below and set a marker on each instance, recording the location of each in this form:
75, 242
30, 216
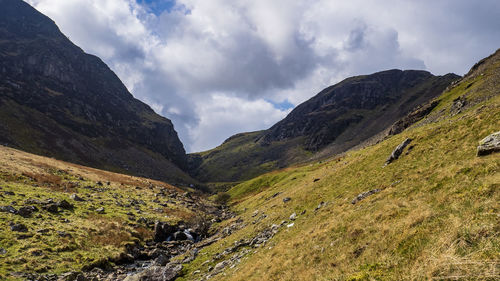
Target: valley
393, 175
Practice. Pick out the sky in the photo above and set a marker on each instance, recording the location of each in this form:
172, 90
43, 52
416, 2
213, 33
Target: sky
221, 67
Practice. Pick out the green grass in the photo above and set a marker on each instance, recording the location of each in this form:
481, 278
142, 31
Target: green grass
435, 218
94, 238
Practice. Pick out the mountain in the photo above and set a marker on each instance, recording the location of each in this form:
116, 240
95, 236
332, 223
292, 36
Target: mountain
430, 214
336, 119
58, 101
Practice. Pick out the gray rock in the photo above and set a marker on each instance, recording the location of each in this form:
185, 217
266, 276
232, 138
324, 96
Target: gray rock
100, 210
75, 197
320, 205
8, 209
180, 235
53, 208
489, 144
161, 260
18, 227
363, 195
293, 216
397, 151
65, 205
27, 211
157, 273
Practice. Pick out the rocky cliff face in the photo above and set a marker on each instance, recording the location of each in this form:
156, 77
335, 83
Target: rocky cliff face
358, 107
58, 101
335, 120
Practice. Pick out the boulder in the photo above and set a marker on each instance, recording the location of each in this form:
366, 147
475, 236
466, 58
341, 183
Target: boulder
162, 231
26, 211
75, 197
53, 208
65, 205
363, 195
489, 144
18, 227
180, 235
397, 151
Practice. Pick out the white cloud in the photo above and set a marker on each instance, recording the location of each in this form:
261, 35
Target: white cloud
210, 65
224, 115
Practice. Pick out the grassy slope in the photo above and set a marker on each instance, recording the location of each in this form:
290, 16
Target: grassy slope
226, 161
437, 215
241, 157
94, 237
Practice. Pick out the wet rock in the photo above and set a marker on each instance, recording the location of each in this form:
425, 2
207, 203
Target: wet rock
489, 144
75, 197
27, 211
363, 195
161, 260
8, 209
163, 231
179, 236
397, 151
18, 227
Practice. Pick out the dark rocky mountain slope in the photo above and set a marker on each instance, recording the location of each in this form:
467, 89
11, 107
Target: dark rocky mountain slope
58, 101
335, 120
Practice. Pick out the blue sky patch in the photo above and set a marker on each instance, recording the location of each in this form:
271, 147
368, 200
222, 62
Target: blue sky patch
284, 105
158, 6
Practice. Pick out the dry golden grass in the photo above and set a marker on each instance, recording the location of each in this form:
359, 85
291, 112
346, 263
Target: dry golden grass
436, 218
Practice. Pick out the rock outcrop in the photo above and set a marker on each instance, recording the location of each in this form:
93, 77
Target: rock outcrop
397, 151
489, 144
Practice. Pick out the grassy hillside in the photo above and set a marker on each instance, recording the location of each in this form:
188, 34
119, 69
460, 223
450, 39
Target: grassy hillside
338, 118
435, 215
72, 239
241, 157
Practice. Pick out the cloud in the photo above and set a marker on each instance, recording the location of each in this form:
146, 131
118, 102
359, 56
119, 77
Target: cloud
219, 67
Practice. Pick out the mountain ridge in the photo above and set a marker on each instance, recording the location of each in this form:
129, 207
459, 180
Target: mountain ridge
338, 118
74, 107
